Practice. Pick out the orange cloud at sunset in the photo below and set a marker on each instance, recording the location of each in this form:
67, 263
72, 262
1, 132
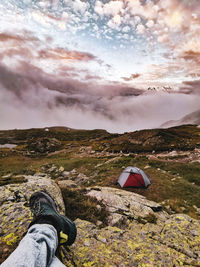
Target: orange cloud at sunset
64, 54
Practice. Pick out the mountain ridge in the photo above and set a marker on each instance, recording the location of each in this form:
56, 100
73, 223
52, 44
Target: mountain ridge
191, 118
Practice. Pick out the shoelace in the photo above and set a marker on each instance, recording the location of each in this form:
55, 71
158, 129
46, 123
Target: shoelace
63, 238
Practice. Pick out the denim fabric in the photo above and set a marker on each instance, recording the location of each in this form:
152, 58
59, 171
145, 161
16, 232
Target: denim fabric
36, 249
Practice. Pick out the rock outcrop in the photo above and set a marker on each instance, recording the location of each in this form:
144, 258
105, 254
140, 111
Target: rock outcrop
42, 145
123, 206
15, 214
65, 179
175, 243
139, 232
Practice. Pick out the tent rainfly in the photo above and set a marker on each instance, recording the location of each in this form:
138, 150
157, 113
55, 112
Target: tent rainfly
133, 177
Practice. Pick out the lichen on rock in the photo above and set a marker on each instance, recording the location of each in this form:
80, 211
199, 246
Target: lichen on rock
15, 214
137, 245
132, 238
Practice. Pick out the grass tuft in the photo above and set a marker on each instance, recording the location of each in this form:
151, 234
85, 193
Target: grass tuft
78, 205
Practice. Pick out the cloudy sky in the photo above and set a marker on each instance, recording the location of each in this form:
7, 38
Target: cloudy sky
119, 65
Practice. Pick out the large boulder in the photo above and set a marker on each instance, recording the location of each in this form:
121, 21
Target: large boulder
123, 205
15, 214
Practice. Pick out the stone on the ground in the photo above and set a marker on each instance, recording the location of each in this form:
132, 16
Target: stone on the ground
66, 184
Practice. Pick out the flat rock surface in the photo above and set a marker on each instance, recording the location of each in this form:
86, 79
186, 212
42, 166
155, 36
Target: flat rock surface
175, 243
123, 205
139, 232
133, 238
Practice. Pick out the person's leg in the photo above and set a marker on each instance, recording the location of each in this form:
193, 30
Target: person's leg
56, 263
47, 230
37, 248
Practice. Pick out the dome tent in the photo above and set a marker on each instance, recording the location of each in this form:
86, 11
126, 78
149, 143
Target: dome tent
133, 177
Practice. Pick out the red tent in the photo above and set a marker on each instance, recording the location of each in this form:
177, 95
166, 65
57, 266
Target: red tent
133, 177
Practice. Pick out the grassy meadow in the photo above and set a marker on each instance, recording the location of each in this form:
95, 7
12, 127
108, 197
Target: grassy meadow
102, 156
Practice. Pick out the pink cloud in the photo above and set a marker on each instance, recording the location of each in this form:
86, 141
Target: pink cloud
191, 87
65, 54
133, 76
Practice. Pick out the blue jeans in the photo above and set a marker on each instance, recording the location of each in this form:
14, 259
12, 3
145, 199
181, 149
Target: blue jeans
36, 249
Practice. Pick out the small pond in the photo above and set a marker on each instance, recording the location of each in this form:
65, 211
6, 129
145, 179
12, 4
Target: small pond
8, 146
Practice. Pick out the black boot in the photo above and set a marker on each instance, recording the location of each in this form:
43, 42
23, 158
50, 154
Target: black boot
44, 210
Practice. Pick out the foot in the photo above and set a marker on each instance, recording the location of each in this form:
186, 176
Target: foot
44, 210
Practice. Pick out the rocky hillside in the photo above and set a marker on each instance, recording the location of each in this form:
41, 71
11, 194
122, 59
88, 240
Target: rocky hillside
116, 227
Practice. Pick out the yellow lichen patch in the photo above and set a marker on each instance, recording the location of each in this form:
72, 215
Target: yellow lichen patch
89, 264
10, 239
140, 255
108, 265
114, 229
105, 250
180, 262
81, 252
132, 245
147, 265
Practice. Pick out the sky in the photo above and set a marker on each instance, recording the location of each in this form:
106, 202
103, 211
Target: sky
117, 65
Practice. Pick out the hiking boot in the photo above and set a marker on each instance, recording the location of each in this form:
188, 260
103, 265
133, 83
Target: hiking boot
44, 210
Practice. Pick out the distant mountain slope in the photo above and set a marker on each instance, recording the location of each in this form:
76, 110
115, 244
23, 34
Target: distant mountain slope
192, 118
